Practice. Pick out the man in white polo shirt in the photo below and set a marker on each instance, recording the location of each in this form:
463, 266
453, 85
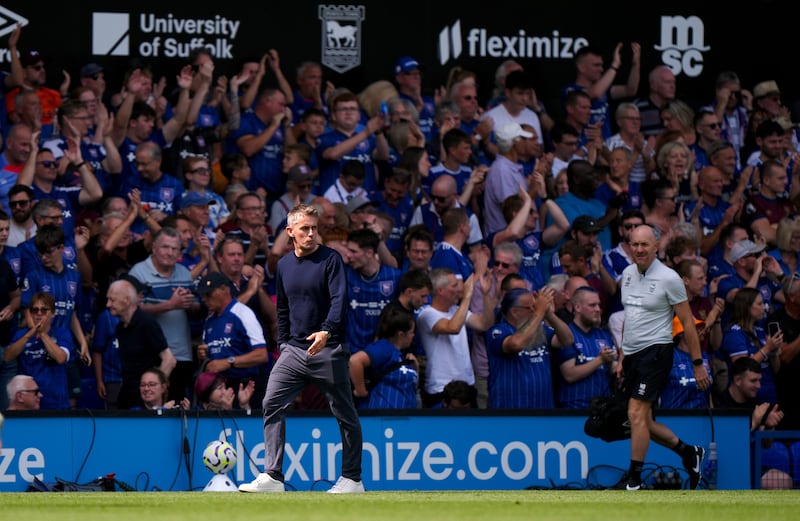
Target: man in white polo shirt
652, 294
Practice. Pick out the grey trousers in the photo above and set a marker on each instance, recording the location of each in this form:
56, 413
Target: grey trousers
329, 371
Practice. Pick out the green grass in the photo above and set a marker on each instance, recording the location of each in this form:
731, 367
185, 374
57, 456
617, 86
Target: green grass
405, 506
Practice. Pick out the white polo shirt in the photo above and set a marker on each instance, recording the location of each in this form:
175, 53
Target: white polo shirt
649, 302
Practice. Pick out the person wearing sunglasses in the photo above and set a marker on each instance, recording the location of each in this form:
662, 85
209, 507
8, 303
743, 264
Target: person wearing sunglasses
42, 351
23, 394
709, 130
34, 80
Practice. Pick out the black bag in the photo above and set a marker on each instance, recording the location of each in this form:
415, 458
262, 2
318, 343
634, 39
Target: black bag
608, 419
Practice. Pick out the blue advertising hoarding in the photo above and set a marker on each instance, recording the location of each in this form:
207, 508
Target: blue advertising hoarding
415, 452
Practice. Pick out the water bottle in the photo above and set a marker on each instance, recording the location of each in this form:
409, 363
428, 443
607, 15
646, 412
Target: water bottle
711, 466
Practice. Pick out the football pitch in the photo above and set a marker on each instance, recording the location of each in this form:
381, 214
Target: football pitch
556, 505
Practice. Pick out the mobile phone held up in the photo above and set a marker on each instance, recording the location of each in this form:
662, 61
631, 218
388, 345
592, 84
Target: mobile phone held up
773, 328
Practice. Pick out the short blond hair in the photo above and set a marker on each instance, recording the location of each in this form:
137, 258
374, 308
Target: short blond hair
296, 213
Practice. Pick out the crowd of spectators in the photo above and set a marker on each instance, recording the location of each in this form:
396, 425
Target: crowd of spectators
484, 241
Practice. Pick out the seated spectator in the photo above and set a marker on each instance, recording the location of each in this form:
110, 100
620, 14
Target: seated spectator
382, 376
23, 394
154, 389
213, 394
458, 394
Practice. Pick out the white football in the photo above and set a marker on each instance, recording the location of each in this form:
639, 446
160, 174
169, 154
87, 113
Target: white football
219, 457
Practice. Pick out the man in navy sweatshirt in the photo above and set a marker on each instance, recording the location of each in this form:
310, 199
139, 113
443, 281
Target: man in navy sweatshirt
312, 311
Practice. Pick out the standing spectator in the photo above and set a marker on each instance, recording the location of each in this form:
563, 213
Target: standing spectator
745, 337
732, 105
169, 299
766, 207
60, 280
662, 89
408, 76
708, 130
197, 172
22, 226
233, 340
586, 365
160, 191
42, 351
681, 390
519, 362
711, 212
34, 79
105, 358
135, 122
299, 180
309, 92
418, 247
41, 174
393, 373
652, 294
10, 295
260, 137
442, 326
465, 95
312, 301
370, 286
74, 123
13, 159
349, 140
599, 84
250, 226
141, 342
788, 318
630, 137
514, 108
505, 175
395, 200
445, 197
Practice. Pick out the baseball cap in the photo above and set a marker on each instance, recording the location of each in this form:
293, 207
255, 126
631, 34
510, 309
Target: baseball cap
406, 64
195, 199
765, 88
90, 69
204, 384
586, 224
677, 326
744, 248
299, 174
357, 203
210, 282
29, 58
510, 132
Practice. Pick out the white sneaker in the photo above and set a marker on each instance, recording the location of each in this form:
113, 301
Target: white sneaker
263, 483
346, 486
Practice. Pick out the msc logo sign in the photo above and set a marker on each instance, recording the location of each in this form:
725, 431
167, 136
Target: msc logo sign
682, 44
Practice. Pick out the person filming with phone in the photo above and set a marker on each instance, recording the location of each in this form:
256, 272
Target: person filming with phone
744, 337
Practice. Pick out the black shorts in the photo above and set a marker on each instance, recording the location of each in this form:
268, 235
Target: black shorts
646, 372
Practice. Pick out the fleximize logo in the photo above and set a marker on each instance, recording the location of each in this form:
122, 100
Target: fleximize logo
480, 43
